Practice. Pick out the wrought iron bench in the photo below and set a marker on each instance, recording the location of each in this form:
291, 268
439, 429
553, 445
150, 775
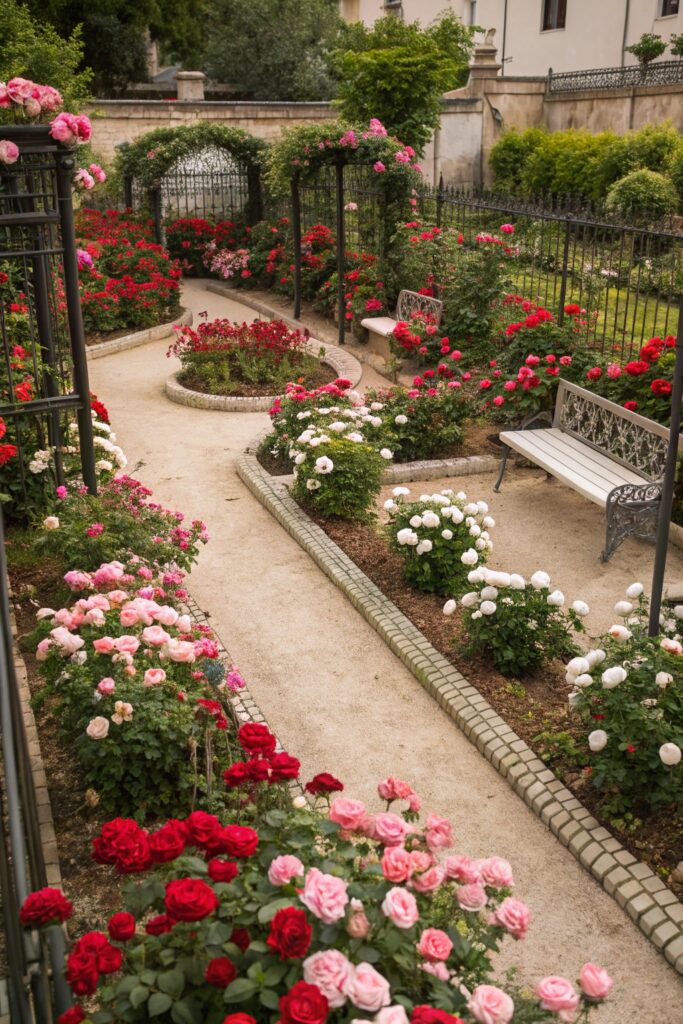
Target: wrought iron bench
408, 304
613, 457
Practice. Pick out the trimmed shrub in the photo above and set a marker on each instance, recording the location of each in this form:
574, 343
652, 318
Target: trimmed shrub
642, 195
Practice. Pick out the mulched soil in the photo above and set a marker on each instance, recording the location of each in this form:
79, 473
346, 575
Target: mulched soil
537, 705
322, 374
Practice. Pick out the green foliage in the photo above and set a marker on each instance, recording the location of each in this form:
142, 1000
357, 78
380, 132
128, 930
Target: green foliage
647, 49
643, 196
272, 49
397, 72
434, 534
509, 157
31, 49
420, 425
346, 490
471, 294
676, 44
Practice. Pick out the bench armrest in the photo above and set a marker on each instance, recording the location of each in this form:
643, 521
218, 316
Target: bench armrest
536, 417
632, 511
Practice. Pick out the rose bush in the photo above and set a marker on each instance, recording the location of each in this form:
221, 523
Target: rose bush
338, 475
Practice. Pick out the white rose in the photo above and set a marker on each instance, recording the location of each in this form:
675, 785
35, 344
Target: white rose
338, 426
401, 420
386, 454
556, 599
312, 485
498, 579
671, 646
475, 531
583, 680
299, 459
476, 576
670, 754
399, 491
389, 504
611, 677
51, 523
469, 557
471, 509
476, 615
302, 415
355, 436
517, 582
635, 590
578, 665
430, 519
663, 679
489, 522
404, 536
424, 547
573, 699
595, 657
45, 613
415, 521
620, 633
489, 593
469, 600
440, 499
487, 607
623, 608
456, 516
597, 740
324, 465
299, 802
581, 608
678, 611
450, 607
104, 466
480, 544
540, 580
447, 534
482, 507
98, 728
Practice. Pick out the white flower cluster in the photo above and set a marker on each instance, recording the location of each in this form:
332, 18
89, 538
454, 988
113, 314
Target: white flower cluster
42, 460
485, 601
313, 436
444, 510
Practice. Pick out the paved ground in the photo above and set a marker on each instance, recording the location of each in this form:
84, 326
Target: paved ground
336, 695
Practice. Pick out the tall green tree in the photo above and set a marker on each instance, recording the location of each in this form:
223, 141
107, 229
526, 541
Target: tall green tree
273, 49
398, 71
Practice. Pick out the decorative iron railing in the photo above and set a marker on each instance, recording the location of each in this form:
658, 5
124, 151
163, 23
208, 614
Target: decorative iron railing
665, 72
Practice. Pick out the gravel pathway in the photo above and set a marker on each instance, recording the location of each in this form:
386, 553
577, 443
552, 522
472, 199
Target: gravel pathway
335, 694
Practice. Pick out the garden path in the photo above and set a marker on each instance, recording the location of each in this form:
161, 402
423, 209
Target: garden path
336, 695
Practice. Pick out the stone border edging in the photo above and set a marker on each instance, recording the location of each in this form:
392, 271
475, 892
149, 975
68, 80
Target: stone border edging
343, 364
643, 895
126, 341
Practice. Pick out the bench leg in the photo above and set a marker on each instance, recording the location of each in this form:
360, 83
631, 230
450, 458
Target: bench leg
503, 462
632, 511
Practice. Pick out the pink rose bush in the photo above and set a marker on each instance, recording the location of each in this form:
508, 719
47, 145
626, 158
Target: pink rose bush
21, 99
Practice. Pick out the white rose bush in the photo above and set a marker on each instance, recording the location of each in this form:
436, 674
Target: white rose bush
440, 537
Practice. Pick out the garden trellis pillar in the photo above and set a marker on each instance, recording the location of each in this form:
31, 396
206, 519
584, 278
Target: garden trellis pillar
341, 246
296, 241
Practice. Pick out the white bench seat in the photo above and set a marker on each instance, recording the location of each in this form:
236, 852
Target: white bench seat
383, 325
380, 328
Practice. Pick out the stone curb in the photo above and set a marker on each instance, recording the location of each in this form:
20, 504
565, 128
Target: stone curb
642, 894
108, 348
343, 364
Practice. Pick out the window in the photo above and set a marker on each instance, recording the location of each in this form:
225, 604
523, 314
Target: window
669, 7
473, 12
555, 14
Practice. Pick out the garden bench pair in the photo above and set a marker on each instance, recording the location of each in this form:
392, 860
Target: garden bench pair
408, 304
610, 455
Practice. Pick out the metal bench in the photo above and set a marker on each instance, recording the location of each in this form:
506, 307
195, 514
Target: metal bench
408, 304
613, 457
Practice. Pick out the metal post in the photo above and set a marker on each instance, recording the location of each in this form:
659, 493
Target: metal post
440, 198
341, 245
255, 191
155, 195
666, 501
296, 237
565, 265
66, 164
128, 192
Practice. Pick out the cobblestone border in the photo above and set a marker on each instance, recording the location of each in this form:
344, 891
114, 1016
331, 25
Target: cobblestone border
108, 348
642, 894
343, 364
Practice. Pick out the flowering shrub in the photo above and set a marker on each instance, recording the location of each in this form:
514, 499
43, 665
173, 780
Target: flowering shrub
299, 408
188, 237
419, 336
226, 263
309, 918
642, 385
421, 422
627, 691
441, 537
520, 625
529, 327
339, 476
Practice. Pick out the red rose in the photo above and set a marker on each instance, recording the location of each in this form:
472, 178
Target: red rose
258, 769
123, 843
303, 1004
284, 767
110, 959
159, 925
121, 927
595, 373
222, 870
236, 775
660, 387
81, 973
256, 738
189, 899
220, 972
239, 841
239, 1018
72, 1016
636, 367
168, 842
631, 406
46, 906
429, 1015
323, 783
241, 938
290, 933
202, 828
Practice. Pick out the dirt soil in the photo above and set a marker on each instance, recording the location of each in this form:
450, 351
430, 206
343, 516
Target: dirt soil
322, 374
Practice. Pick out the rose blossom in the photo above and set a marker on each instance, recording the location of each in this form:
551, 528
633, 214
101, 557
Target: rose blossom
497, 872
462, 869
351, 815
438, 969
471, 897
330, 971
490, 1005
595, 982
390, 829
155, 635
438, 832
429, 880
514, 916
358, 925
392, 788
325, 896
106, 686
181, 651
367, 989
396, 864
9, 154
128, 617
154, 676
166, 615
283, 869
434, 944
558, 995
401, 906
392, 1015
126, 644
103, 645
98, 728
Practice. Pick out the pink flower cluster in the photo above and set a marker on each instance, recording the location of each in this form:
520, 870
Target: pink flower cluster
70, 129
33, 98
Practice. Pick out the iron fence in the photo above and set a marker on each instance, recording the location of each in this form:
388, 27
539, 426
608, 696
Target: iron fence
665, 72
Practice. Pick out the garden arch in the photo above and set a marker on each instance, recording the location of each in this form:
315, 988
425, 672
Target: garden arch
202, 170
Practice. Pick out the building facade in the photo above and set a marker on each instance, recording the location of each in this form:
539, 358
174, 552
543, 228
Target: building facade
534, 35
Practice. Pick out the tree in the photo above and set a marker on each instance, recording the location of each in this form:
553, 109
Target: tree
397, 72
273, 49
36, 51
647, 49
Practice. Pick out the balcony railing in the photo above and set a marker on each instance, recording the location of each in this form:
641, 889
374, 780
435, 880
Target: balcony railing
666, 72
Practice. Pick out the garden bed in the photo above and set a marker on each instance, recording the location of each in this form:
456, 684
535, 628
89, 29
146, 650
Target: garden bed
324, 373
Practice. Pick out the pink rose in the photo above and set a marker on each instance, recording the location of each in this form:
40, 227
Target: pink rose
128, 617
514, 916
392, 1015
43, 649
117, 596
83, 127
401, 906
462, 869
358, 926
153, 677
558, 995
438, 969
94, 617
78, 580
5, 99
325, 896
351, 815
181, 651
64, 129
68, 643
126, 644
414, 803
330, 971
155, 635
490, 1005
391, 829
392, 788
103, 645
595, 982
106, 686
367, 989
20, 89
283, 869
49, 98
97, 601
396, 864
9, 152
497, 872
430, 880
184, 624
420, 860
108, 572
438, 832
434, 944
471, 897
166, 615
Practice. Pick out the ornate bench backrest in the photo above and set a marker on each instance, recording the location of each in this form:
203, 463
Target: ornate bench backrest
410, 303
630, 439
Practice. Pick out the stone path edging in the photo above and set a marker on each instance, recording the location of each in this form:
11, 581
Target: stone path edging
343, 364
635, 887
107, 348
